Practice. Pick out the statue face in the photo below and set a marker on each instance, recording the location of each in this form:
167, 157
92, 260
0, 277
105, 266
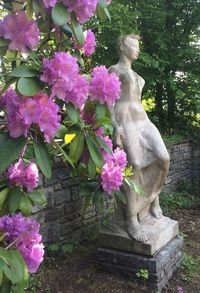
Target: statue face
131, 48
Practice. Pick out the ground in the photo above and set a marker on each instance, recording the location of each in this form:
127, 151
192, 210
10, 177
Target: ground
75, 272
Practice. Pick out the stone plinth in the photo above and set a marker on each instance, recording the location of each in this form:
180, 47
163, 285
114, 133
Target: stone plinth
161, 266
159, 232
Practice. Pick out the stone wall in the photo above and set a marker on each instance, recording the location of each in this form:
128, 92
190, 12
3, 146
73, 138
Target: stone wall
63, 219
184, 164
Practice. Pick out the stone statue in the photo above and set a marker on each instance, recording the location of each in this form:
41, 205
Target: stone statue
142, 142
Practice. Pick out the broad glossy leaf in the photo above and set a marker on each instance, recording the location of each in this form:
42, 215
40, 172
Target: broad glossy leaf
3, 42
29, 9
95, 151
3, 196
77, 30
24, 71
38, 8
77, 147
10, 149
59, 14
72, 113
42, 158
37, 197
25, 206
91, 168
104, 145
120, 196
14, 199
29, 86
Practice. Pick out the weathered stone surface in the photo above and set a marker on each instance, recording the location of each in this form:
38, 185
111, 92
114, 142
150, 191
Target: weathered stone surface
160, 266
159, 231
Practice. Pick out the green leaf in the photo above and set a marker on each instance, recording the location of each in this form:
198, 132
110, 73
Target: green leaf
100, 111
1, 278
29, 86
25, 275
87, 188
29, 9
61, 131
95, 151
10, 149
14, 199
6, 286
104, 145
72, 113
91, 168
103, 121
102, 3
3, 195
3, 42
38, 198
77, 147
101, 13
60, 149
77, 30
107, 13
24, 71
119, 195
9, 81
25, 206
59, 14
134, 186
66, 30
12, 269
42, 157
38, 8
98, 199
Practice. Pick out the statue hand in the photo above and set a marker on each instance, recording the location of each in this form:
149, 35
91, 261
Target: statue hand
119, 137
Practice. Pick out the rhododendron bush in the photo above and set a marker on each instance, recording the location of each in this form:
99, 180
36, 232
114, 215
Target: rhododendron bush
51, 106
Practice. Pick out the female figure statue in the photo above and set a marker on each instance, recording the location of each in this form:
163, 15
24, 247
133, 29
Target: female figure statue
141, 140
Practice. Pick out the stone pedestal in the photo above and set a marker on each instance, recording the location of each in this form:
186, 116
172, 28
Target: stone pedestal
160, 266
159, 233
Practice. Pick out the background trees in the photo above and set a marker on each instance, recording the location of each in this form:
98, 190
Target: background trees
169, 61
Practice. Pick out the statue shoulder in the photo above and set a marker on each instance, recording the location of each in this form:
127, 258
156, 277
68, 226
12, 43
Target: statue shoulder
124, 76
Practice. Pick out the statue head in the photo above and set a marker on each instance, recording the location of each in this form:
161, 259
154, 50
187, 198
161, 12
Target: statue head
129, 46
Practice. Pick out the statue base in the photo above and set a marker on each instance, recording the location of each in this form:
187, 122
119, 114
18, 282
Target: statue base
159, 232
160, 266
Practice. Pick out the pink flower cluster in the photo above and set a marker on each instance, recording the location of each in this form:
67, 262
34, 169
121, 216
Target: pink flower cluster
89, 46
104, 87
25, 232
62, 73
49, 3
111, 177
24, 175
22, 33
83, 9
22, 112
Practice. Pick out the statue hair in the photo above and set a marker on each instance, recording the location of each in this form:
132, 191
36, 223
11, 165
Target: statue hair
121, 40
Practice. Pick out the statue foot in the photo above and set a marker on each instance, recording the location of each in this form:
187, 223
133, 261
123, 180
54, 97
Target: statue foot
156, 212
139, 236
135, 232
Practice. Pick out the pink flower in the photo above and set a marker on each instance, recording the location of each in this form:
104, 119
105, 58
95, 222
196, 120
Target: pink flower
104, 87
108, 2
22, 112
62, 66
89, 46
23, 33
26, 232
47, 116
119, 158
31, 250
83, 9
24, 175
111, 177
12, 103
49, 3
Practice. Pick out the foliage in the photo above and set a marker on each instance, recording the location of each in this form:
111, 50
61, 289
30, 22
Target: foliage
52, 106
191, 266
143, 274
181, 199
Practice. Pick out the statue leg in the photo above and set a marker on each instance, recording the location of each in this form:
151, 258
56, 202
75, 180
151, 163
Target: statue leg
133, 226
